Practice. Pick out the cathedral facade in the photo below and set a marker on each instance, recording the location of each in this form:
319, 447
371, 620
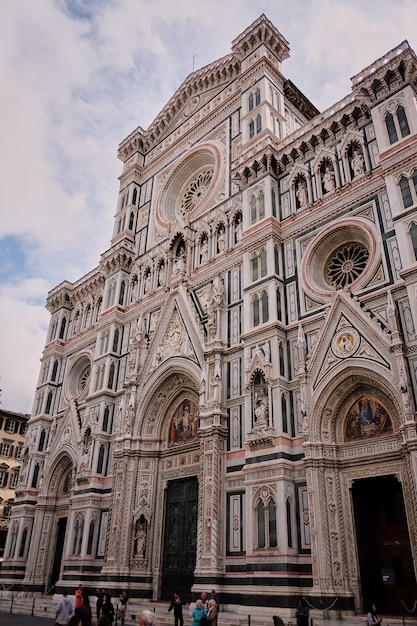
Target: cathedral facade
228, 400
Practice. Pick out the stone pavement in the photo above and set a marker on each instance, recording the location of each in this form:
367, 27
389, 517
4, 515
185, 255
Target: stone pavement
15, 619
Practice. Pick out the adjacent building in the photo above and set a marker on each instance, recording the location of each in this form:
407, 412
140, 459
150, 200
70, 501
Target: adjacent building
228, 399
13, 428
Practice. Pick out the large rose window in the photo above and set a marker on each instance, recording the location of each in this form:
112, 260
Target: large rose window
346, 264
192, 185
343, 255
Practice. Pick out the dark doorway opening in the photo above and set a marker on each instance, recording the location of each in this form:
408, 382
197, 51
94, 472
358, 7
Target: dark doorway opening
180, 538
59, 546
385, 559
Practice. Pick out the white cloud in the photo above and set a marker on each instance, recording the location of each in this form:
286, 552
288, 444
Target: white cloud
79, 76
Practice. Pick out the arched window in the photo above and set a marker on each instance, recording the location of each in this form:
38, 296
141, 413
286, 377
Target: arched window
261, 199
106, 418
258, 123
35, 476
406, 192
402, 120
253, 211
284, 413
274, 202
54, 371
281, 359
134, 196
257, 207
397, 125
254, 267
289, 525
131, 220
257, 96
90, 537
122, 292
266, 521
413, 235
23, 542
62, 329
265, 307
100, 460
42, 441
255, 311
392, 131
110, 381
261, 524
116, 340
250, 102
251, 129
48, 403
13, 539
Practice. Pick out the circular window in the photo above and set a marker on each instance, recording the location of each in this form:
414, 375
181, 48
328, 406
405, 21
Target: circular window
192, 184
196, 190
78, 378
84, 378
344, 254
346, 264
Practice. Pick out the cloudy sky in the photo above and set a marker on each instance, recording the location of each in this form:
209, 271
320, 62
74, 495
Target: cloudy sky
79, 75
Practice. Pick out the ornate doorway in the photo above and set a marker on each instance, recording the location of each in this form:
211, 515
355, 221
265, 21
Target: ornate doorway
59, 546
180, 538
385, 559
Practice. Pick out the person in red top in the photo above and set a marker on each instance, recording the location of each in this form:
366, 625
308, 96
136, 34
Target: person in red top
78, 600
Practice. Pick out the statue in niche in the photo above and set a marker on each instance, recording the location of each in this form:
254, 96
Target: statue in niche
130, 415
367, 417
301, 192
238, 228
221, 239
184, 424
87, 440
261, 410
148, 280
161, 275
328, 180
204, 250
357, 163
179, 262
139, 544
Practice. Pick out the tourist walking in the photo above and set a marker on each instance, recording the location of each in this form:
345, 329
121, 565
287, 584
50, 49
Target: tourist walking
372, 618
108, 609
177, 605
63, 609
122, 606
100, 593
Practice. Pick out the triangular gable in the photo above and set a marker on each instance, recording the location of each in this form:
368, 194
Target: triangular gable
176, 334
348, 332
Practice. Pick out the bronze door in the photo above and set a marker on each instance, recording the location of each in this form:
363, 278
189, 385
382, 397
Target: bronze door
59, 546
180, 538
384, 551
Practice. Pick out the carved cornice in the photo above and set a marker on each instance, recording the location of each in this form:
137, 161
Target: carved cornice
120, 256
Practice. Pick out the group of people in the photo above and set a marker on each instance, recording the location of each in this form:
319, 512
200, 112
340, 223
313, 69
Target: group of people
205, 611
204, 614
81, 614
302, 614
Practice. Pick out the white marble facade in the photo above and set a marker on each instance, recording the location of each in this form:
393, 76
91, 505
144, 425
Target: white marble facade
252, 327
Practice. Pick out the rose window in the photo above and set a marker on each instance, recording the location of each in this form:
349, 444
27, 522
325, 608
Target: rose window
196, 190
84, 378
346, 264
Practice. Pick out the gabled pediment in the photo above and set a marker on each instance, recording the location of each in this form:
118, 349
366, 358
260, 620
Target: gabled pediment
350, 336
176, 334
